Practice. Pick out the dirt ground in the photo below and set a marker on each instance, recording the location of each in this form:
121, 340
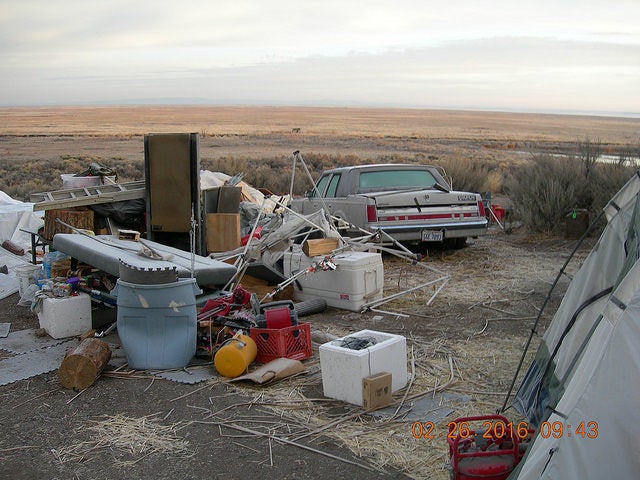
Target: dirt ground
476, 325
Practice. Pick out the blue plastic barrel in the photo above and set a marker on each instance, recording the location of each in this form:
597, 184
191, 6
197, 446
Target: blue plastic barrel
157, 324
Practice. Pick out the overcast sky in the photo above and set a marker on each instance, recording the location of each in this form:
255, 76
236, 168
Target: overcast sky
541, 55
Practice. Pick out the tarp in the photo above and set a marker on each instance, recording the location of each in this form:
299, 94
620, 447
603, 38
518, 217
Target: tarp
583, 387
16, 215
209, 179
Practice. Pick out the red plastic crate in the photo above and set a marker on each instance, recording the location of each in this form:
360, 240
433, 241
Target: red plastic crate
288, 342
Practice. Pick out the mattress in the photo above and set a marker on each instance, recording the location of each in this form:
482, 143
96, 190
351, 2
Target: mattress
105, 252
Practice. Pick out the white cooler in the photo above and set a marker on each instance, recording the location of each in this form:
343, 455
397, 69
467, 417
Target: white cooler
357, 279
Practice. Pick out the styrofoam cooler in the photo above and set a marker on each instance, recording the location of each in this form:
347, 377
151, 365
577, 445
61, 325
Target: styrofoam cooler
67, 316
343, 368
357, 279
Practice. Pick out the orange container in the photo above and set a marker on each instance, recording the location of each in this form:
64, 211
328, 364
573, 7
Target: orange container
233, 359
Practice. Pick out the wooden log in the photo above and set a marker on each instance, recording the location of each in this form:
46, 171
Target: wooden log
319, 246
83, 364
13, 248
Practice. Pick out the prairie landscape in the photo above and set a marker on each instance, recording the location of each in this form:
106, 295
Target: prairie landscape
38, 144
464, 346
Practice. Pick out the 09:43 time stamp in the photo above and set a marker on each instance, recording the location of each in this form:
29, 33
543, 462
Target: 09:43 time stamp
496, 429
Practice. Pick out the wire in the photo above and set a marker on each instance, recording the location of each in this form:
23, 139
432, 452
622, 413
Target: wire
357, 343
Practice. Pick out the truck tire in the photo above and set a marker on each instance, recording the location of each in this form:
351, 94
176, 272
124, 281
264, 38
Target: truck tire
460, 243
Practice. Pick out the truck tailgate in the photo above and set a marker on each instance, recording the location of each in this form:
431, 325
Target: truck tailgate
431, 209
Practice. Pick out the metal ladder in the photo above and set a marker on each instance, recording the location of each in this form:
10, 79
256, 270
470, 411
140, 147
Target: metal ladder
77, 197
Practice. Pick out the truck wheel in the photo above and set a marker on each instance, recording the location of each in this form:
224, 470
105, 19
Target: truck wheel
460, 243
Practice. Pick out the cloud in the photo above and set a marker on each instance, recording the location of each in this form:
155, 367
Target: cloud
466, 53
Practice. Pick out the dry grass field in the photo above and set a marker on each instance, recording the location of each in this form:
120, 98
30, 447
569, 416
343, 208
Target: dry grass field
38, 144
349, 122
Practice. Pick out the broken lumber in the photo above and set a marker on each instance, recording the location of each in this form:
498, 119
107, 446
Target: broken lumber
319, 246
83, 364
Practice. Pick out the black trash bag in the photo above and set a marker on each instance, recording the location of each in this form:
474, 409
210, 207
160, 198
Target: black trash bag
128, 213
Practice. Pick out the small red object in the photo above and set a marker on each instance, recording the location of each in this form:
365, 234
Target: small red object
480, 453
256, 234
221, 306
277, 317
499, 212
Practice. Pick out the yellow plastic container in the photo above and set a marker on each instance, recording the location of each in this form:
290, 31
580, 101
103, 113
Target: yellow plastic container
233, 359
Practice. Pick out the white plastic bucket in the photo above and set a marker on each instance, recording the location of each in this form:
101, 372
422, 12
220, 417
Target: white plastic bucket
26, 276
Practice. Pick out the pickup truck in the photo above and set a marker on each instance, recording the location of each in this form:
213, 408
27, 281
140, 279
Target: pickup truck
412, 203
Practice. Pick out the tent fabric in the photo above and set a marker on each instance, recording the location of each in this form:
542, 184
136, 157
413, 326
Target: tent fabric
604, 390
584, 299
597, 367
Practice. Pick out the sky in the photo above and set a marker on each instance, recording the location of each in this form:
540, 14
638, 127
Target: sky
517, 55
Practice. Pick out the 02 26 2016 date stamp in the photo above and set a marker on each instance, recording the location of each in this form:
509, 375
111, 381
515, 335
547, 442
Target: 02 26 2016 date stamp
496, 429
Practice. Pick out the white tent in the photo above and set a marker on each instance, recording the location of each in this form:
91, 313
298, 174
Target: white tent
583, 388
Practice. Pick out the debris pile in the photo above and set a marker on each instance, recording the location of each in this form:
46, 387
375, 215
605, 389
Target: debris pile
220, 292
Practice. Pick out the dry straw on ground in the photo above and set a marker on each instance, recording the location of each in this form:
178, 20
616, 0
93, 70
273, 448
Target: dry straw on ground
475, 368
128, 439
478, 370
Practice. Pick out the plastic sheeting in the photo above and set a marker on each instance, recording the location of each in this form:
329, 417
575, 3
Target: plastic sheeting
16, 215
209, 179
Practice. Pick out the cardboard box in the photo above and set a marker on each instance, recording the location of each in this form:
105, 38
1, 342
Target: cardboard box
376, 391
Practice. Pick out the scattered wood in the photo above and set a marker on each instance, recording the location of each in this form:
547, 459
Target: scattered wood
261, 288
37, 396
288, 442
83, 364
13, 248
81, 218
132, 235
223, 231
135, 437
88, 334
75, 396
319, 246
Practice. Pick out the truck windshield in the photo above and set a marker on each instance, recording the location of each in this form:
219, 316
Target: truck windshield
395, 179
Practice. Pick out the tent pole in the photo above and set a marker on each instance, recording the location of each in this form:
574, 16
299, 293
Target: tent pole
544, 304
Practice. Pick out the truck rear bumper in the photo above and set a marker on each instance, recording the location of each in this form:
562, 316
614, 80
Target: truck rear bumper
413, 233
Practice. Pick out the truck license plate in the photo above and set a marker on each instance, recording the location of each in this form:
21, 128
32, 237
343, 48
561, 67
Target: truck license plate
432, 235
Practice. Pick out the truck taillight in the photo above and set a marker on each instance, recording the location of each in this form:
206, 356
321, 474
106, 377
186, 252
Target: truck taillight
481, 211
372, 213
